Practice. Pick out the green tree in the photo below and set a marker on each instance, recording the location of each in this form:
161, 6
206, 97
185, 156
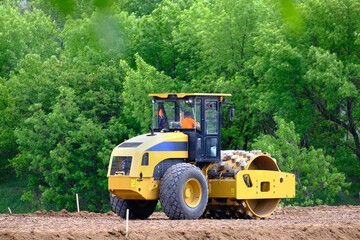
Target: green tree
294, 59
34, 81
311, 77
138, 83
154, 40
104, 37
76, 130
8, 125
139, 7
215, 40
63, 153
317, 179
23, 33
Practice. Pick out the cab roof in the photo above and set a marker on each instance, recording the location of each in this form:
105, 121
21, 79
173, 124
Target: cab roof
182, 95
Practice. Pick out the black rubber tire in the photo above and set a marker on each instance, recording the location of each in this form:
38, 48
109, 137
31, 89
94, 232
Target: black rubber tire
138, 209
171, 191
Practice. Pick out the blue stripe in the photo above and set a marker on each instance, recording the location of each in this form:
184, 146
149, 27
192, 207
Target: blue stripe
169, 146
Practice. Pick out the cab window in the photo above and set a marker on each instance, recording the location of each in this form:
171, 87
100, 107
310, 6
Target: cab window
168, 114
211, 117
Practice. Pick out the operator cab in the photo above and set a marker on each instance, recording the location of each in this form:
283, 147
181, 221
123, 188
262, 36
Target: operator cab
194, 114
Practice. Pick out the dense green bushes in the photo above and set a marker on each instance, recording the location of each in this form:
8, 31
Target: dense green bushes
74, 81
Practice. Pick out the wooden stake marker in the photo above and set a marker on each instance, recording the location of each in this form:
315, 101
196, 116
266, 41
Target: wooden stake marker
77, 202
127, 222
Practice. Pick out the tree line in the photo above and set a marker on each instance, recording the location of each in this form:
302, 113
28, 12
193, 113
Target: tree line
75, 74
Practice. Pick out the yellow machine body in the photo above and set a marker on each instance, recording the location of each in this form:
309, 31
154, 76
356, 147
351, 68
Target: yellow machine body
247, 183
265, 185
140, 183
233, 184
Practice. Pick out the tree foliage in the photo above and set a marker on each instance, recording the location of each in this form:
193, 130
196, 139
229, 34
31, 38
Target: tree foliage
75, 75
23, 33
8, 125
61, 152
138, 83
317, 180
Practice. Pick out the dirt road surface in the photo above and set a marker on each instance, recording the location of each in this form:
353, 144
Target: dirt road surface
321, 222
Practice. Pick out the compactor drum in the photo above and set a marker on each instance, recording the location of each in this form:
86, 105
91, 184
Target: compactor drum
180, 163
260, 189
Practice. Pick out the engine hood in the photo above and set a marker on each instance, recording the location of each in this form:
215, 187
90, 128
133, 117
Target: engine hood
159, 146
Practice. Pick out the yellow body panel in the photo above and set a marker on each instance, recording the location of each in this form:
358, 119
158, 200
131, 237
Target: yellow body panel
264, 185
154, 156
127, 187
132, 186
222, 188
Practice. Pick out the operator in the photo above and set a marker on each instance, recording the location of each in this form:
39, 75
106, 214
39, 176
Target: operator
163, 121
188, 122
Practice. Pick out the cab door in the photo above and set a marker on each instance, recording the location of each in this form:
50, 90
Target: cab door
211, 130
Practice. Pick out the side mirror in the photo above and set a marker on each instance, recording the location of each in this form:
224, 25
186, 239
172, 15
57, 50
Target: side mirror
231, 114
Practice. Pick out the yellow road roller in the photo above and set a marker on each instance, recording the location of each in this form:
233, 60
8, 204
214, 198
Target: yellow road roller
180, 163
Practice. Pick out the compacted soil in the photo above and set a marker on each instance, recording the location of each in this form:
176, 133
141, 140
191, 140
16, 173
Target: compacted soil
321, 222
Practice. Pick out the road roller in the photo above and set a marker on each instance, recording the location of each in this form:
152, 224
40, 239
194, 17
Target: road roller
180, 163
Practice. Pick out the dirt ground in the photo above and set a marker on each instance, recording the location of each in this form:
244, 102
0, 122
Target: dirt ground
321, 222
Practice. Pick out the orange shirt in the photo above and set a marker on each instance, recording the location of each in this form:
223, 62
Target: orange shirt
161, 113
188, 123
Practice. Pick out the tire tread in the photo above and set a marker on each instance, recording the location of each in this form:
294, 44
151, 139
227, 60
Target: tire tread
135, 212
168, 192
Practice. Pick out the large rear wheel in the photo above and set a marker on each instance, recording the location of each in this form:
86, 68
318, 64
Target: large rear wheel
138, 209
183, 192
